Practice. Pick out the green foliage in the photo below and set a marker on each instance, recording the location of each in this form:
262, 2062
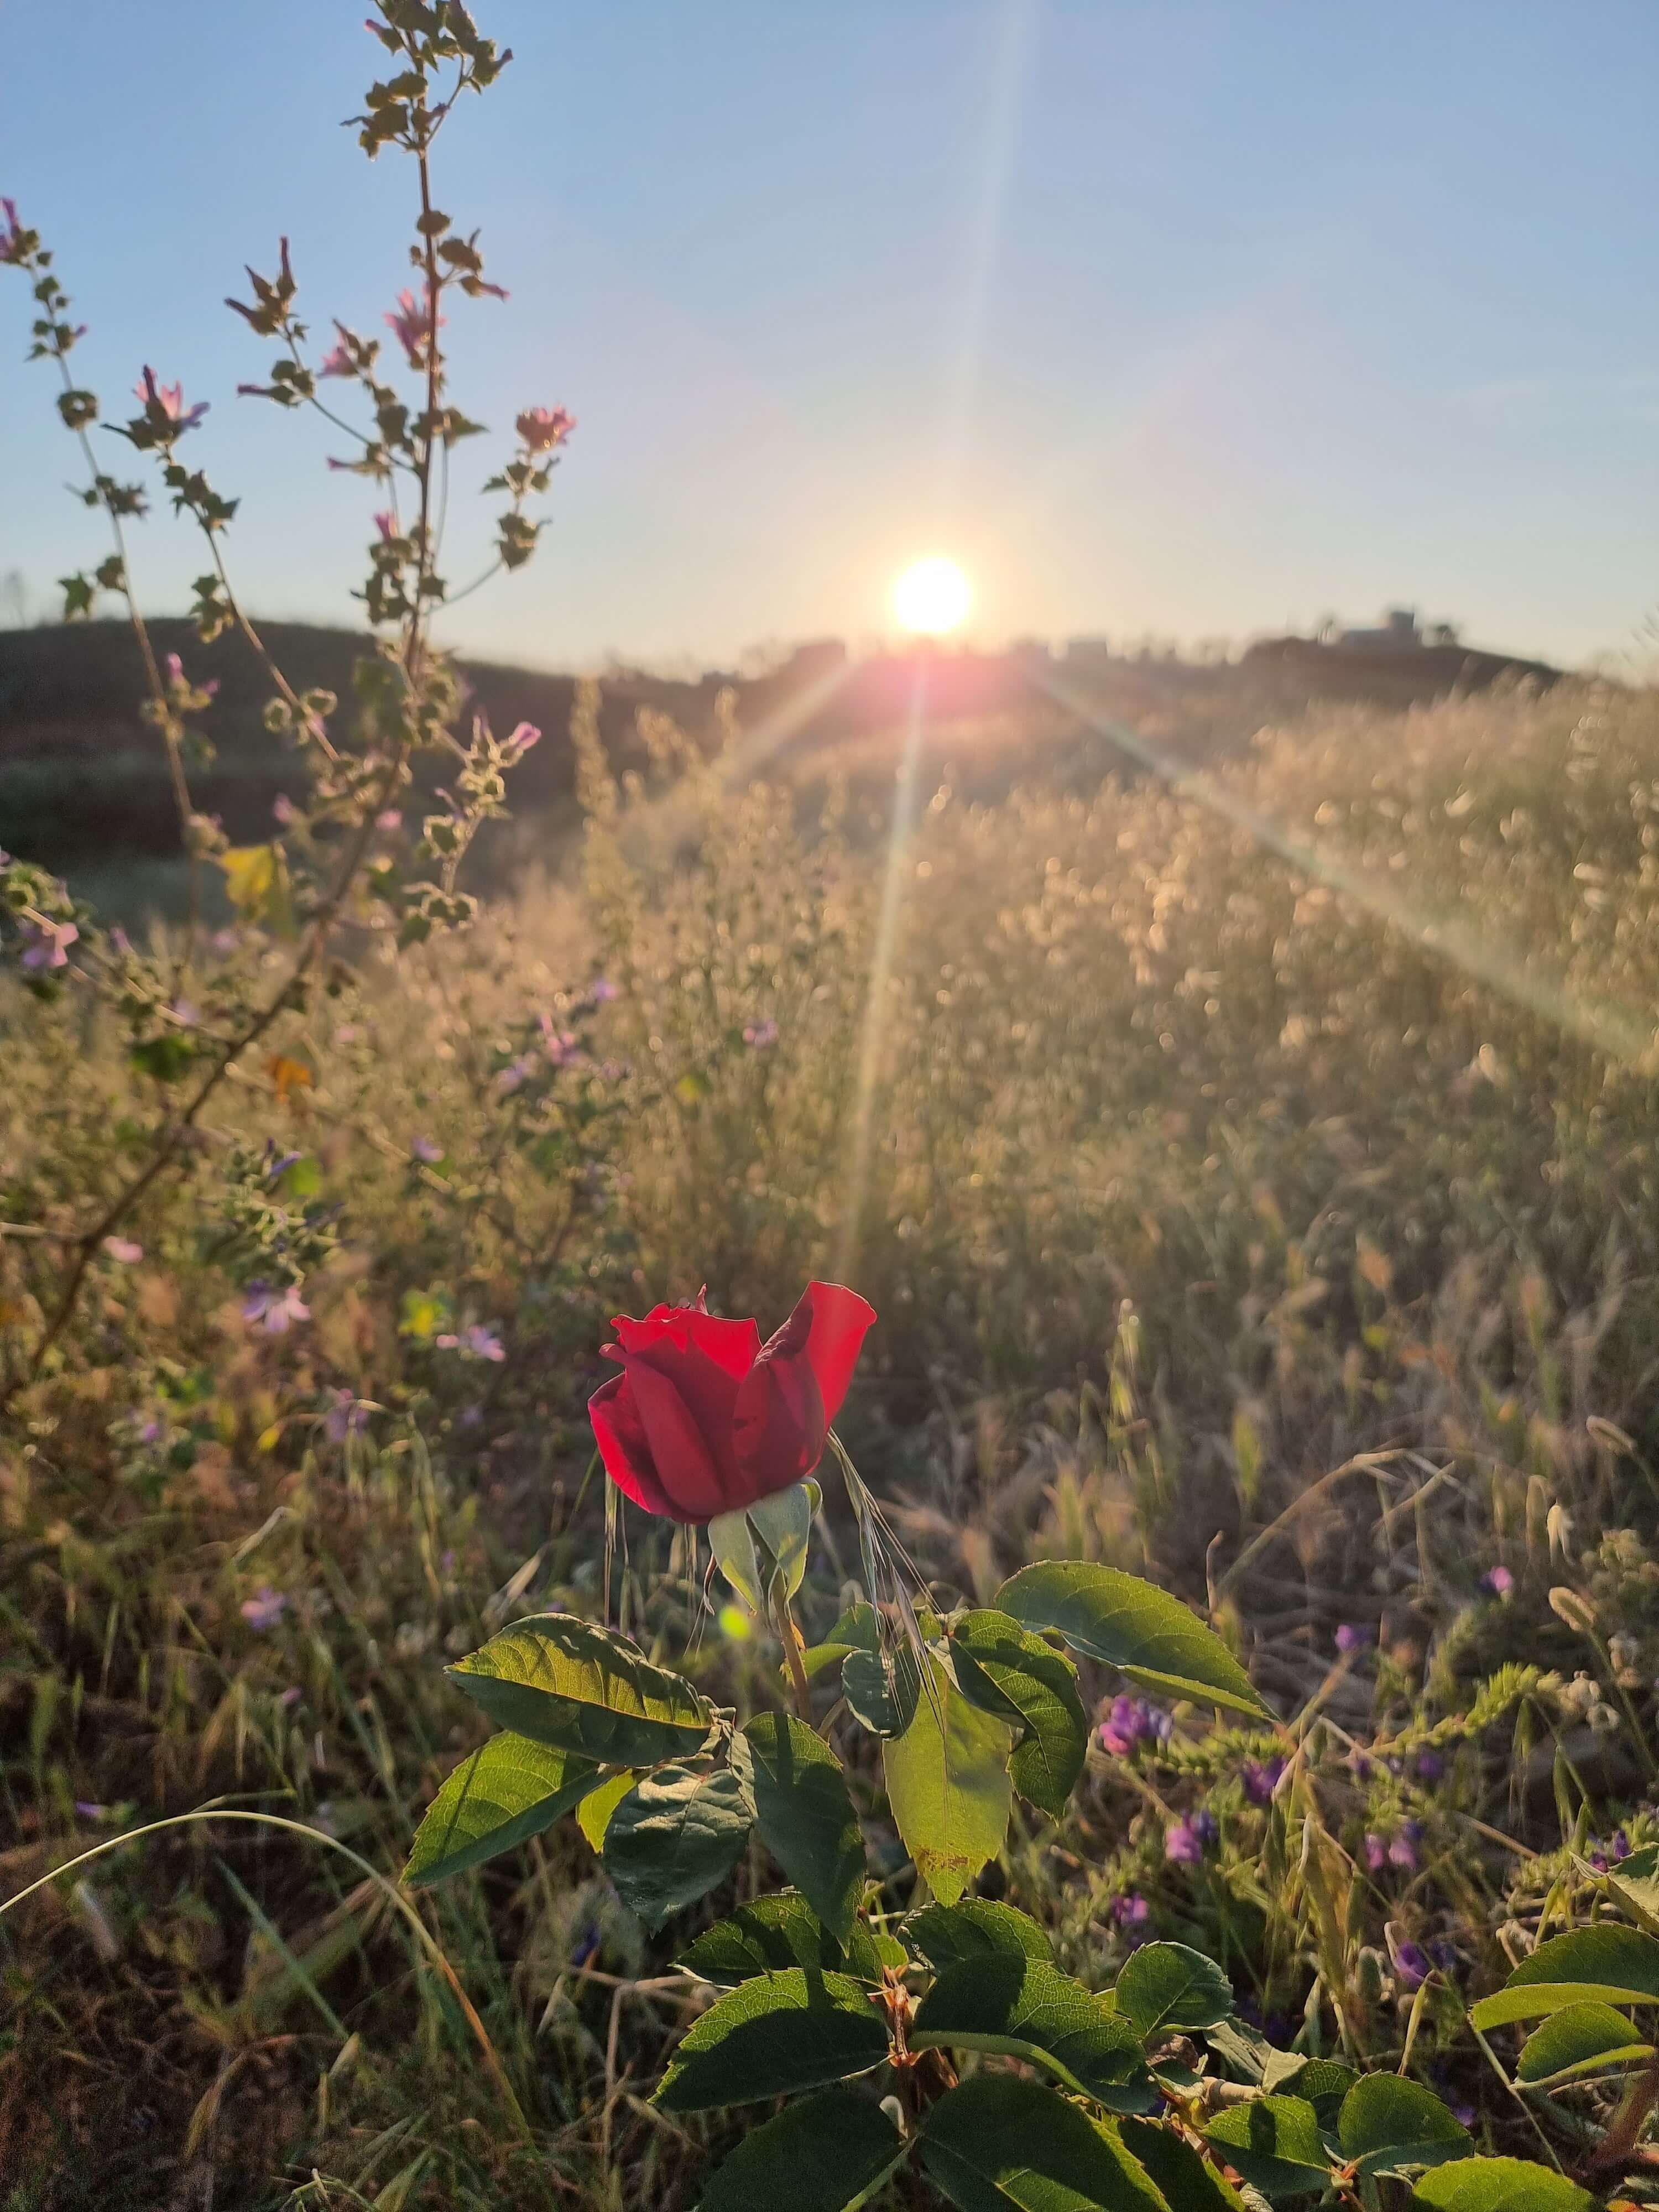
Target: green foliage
675, 1836
822, 2154
947, 1782
805, 1817
977, 1927
1275, 2143
583, 1689
1132, 1625
1605, 1964
1387, 2125
1027, 2009
1168, 1989
1008, 1672
505, 1793
1500, 2185
997, 2141
1582, 2039
780, 2032
772, 1933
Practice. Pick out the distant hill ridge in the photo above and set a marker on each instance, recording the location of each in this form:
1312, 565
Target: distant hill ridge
82, 779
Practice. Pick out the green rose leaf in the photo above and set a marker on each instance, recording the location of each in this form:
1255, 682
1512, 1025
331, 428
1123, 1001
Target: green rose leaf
732, 1541
505, 1793
948, 1786
1635, 1882
773, 1933
783, 1522
806, 1818
1388, 2124
1132, 1626
579, 1688
1004, 1669
1584, 2038
857, 1630
823, 2154
882, 1694
674, 1837
1275, 2144
1166, 1988
1186, 2180
1500, 2185
974, 1929
593, 1813
1026, 2008
1606, 1965
997, 2143
779, 2032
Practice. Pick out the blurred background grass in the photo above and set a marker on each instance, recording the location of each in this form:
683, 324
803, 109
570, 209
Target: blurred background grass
1192, 1143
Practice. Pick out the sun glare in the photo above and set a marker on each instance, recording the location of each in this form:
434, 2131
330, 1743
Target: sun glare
931, 599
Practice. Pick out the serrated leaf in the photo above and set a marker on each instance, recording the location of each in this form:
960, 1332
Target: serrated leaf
822, 2154
1584, 2038
768, 2037
1635, 1882
771, 1933
1390, 2125
1500, 2185
948, 1786
997, 2143
805, 1817
1603, 1965
975, 1928
580, 1688
1188, 2183
1132, 1625
593, 1813
1274, 2142
676, 1835
881, 1692
857, 1630
1004, 1668
1324, 2082
1026, 2008
1167, 1989
505, 1793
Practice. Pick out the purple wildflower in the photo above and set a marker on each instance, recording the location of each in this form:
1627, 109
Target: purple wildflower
602, 991
1412, 1964
521, 740
513, 1075
85, 1810
124, 1249
1405, 1848
346, 1418
1430, 1767
1133, 1721
169, 398
1377, 1853
386, 526
290, 1697
1351, 1637
1261, 1778
1187, 1840
264, 1609
46, 944
389, 817
1499, 1581
760, 1035
11, 238
424, 1148
185, 1014
274, 1309
284, 810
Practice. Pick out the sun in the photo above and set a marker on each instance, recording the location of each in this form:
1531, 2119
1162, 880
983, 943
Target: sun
932, 597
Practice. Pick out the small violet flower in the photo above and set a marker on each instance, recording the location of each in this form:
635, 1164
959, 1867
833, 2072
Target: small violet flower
1349, 1638
273, 1309
346, 1418
414, 326
760, 1035
1261, 1778
12, 237
264, 1609
45, 943
1377, 1853
1133, 1721
1499, 1581
1412, 1964
1404, 1849
424, 1149
1187, 1840
602, 991
124, 1249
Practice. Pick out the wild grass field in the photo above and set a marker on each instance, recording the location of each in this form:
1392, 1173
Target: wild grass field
1254, 1178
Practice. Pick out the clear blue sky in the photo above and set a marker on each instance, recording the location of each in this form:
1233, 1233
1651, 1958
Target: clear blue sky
1171, 317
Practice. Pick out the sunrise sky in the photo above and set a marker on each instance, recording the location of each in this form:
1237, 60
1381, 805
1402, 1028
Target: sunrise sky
1194, 320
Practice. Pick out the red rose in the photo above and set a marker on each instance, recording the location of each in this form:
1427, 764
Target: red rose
705, 1419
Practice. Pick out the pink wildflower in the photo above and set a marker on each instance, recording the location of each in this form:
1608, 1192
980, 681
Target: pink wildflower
415, 325
170, 399
263, 1609
275, 1310
11, 238
124, 1249
542, 429
47, 945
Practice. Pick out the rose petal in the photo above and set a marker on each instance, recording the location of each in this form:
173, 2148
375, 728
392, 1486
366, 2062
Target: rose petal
694, 1466
623, 1448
